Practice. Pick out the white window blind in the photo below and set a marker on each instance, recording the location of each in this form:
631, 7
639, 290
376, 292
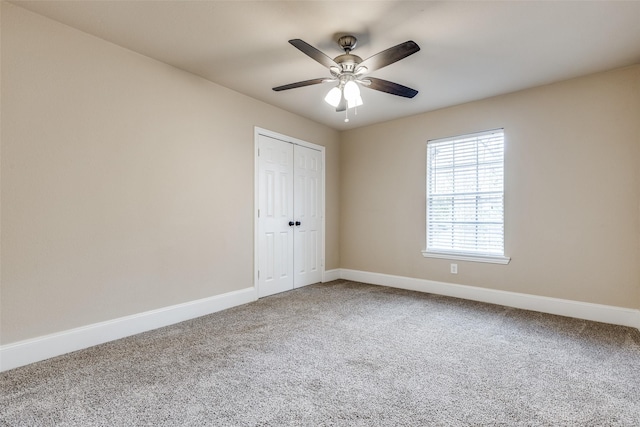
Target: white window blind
465, 194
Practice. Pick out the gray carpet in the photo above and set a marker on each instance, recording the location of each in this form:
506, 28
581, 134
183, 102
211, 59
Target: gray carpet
343, 354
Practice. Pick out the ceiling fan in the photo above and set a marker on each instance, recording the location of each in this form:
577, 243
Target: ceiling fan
350, 70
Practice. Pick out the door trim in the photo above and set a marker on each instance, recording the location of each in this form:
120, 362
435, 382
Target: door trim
256, 187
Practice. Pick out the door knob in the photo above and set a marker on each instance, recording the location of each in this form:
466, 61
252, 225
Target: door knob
297, 222
290, 223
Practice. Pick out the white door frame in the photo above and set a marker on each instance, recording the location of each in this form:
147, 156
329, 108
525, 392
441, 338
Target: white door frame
256, 187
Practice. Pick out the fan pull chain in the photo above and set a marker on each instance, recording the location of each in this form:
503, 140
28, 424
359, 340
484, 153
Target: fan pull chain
346, 114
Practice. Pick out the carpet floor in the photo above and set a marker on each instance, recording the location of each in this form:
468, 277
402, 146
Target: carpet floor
342, 354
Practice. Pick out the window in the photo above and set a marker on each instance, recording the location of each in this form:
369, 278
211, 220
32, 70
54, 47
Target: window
465, 197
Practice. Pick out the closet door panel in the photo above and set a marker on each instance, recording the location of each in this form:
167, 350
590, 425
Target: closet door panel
275, 205
308, 216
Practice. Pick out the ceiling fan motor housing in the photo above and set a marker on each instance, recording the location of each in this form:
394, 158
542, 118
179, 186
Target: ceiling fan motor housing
348, 62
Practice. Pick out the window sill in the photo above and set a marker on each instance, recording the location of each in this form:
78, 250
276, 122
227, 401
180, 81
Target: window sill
467, 257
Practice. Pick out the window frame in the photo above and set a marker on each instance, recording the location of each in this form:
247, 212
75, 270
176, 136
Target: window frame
466, 255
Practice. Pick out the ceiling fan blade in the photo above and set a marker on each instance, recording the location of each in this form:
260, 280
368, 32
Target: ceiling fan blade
391, 55
301, 84
313, 53
390, 87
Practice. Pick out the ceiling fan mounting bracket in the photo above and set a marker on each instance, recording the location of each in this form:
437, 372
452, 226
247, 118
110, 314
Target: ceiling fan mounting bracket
347, 42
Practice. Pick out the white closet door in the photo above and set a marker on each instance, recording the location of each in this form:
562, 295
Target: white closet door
275, 204
308, 216
290, 209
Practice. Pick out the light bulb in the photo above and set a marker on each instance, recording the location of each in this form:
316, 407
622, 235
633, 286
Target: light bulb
351, 91
333, 97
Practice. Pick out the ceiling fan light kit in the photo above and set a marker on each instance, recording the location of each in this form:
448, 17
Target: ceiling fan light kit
349, 71
333, 96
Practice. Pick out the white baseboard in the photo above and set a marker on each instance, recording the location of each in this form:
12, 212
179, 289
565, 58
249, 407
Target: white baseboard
33, 350
580, 310
330, 275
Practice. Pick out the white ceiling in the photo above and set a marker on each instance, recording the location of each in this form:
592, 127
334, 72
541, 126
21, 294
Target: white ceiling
469, 50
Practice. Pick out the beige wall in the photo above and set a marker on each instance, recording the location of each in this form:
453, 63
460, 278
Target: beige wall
127, 184
572, 189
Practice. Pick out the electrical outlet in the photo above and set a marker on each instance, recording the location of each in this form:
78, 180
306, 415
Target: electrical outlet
454, 268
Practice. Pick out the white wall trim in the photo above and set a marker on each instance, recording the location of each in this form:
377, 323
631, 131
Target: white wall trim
577, 309
33, 350
463, 257
36, 349
330, 275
